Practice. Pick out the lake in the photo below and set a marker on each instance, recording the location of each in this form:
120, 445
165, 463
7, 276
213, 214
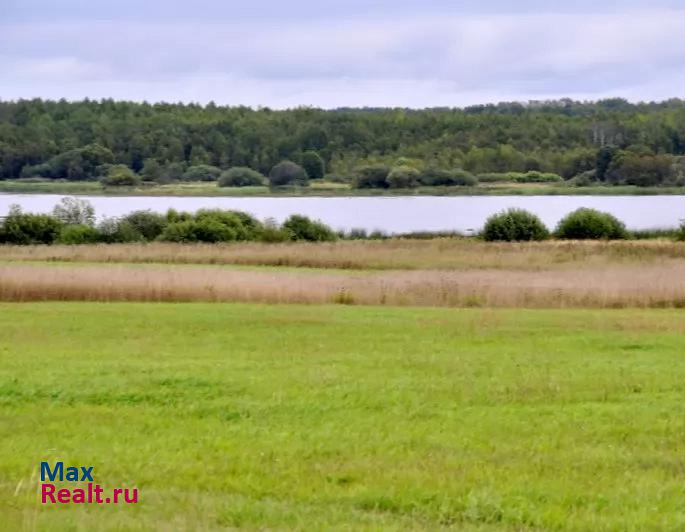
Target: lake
389, 214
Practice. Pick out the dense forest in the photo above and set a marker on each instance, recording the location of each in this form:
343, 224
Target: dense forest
610, 141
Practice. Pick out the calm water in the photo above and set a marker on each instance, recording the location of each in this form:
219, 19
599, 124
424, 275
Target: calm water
390, 214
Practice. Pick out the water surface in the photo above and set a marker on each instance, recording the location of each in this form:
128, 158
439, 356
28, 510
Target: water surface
390, 214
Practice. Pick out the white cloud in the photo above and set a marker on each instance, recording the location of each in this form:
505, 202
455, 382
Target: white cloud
417, 62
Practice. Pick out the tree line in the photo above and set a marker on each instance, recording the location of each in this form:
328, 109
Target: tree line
122, 143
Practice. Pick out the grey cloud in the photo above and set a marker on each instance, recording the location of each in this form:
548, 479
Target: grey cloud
417, 61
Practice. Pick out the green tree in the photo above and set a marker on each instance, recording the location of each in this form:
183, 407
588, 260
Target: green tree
313, 164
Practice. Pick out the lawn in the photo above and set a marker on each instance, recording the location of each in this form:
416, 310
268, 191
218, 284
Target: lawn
314, 417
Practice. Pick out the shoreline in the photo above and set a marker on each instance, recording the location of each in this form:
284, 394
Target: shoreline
209, 190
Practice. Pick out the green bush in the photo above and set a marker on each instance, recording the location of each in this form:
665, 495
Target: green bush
520, 177
78, 234
118, 231
211, 225
514, 225
241, 225
120, 175
202, 172
241, 176
302, 228
26, 228
288, 173
271, 232
495, 178
587, 223
680, 235
149, 225
371, 176
536, 177
585, 179
403, 177
197, 231
434, 177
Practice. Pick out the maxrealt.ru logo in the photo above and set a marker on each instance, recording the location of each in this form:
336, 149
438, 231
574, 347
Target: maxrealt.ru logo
92, 493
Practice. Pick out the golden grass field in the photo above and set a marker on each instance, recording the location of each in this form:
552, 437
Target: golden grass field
443, 273
399, 254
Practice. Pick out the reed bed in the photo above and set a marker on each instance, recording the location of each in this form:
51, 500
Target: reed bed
658, 285
394, 254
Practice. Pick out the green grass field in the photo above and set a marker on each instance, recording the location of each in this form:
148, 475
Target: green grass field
309, 417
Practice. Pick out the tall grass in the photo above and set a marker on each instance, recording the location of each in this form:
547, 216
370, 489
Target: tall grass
403, 254
657, 285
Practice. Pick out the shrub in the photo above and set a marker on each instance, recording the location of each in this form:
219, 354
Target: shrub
403, 177
438, 177
680, 235
587, 223
120, 175
371, 176
313, 165
115, 230
514, 225
146, 223
302, 228
78, 234
73, 211
287, 173
536, 177
209, 225
241, 176
197, 231
494, 178
586, 179
202, 172
26, 228
271, 232
242, 226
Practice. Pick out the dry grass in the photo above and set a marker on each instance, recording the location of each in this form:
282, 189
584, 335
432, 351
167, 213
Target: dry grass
396, 254
656, 285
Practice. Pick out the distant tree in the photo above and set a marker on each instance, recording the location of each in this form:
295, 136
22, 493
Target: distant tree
151, 171
644, 171
313, 164
172, 172
287, 173
199, 156
73, 211
605, 157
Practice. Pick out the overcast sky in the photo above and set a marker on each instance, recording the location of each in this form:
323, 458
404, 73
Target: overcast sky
341, 53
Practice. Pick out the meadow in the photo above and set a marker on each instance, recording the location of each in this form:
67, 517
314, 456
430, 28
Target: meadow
445, 272
352, 418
